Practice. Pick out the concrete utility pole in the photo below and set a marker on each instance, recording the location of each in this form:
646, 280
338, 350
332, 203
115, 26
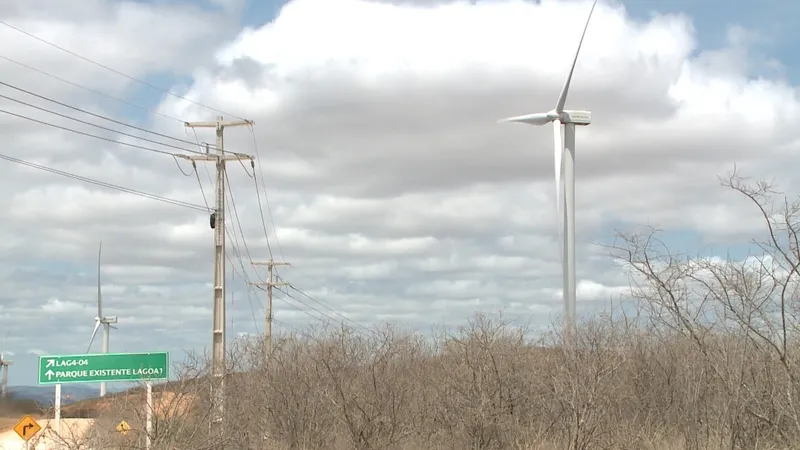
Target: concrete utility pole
268, 309
218, 224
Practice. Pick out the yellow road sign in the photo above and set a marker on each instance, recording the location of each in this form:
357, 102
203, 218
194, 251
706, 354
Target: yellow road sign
27, 428
123, 428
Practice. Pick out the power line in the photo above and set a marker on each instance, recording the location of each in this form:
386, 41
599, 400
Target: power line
103, 66
237, 252
244, 242
323, 314
99, 116
235, 244
239, 222
260, 207
326, 307
93, 91
73, 176
326, 316
83, 133
261, 211
243, 275
200, 183
75, 119
266, 197
290, 328
249, 255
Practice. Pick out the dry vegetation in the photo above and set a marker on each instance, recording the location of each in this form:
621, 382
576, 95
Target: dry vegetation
705, 360
12, 409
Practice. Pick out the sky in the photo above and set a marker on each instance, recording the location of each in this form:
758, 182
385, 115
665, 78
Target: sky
382, 172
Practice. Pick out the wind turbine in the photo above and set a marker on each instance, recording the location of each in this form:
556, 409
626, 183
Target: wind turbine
564, 153
101, 320
4, 363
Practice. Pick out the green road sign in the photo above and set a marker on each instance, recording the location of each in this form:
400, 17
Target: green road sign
94, 368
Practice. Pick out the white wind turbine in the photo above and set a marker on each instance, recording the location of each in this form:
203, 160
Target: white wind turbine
564, 153
101, 320
4, 363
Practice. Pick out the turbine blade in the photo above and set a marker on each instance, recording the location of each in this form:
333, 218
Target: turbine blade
94, 333
530, 119
562, 99
99, 292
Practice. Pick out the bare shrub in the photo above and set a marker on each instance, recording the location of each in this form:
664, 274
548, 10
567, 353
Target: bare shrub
706, 361
738, 316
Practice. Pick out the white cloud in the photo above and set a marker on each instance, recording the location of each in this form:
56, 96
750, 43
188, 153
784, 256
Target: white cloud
56, 306
395, 194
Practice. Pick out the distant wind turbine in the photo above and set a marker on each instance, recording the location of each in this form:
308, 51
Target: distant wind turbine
4, 363
101, 320
564, 153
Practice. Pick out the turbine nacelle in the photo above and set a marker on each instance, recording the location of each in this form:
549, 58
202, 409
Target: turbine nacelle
581, 118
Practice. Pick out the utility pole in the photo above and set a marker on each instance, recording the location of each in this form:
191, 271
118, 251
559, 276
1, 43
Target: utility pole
268, 309
218, 224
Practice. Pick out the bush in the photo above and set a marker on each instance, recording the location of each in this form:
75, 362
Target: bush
14, 407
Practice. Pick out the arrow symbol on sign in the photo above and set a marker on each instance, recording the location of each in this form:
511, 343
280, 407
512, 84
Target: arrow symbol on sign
49, 374
25, 428
50, 362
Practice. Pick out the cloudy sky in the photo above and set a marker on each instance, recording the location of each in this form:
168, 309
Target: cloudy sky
391, 187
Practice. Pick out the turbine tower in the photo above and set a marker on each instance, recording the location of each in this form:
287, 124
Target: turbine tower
564, 154
101, 320
4, 363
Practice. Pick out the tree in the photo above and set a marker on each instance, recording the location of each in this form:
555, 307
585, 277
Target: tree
740, 315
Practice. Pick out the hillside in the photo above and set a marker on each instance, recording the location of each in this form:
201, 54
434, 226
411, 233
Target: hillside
11, 410
44, 394
127, 401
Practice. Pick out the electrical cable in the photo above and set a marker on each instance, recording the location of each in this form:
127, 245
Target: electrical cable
132, 78
326, 307
83, 133
261, 211
143, 194
239, 223
297, 308
93, 91
295, 330
234, 242
75, 119
246, 280
99, 116
316, 310
266, 195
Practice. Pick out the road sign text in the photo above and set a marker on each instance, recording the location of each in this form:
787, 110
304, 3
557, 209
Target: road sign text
103, 367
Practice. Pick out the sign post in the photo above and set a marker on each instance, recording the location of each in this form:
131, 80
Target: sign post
149, 416
57, 410
95, 368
